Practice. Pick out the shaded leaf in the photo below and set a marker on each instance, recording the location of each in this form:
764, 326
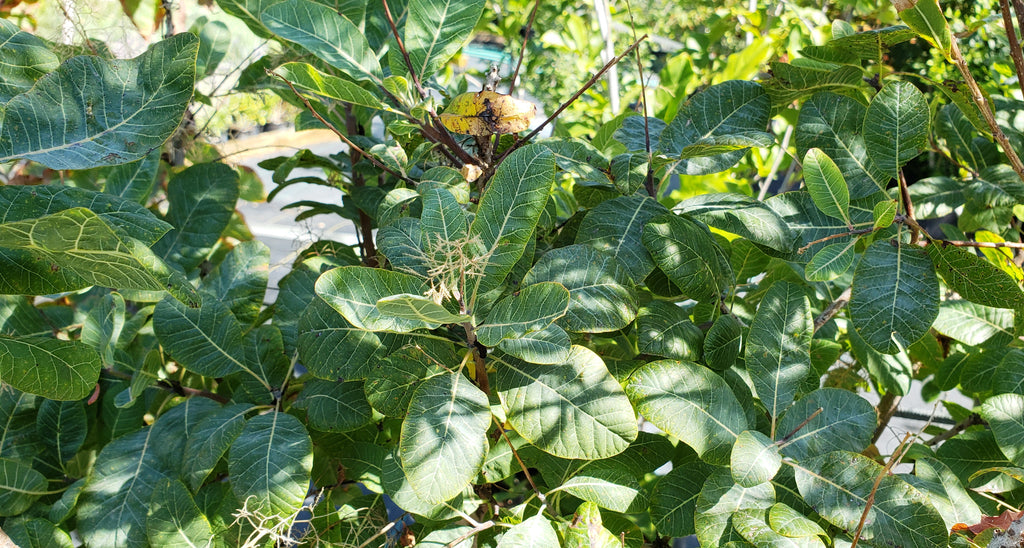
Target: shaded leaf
271, 461
846, 423
174, 519
778, 346
615, 226
49, 367
20, 486
896, 126
755, 459
335, 406
664, 329
531, 309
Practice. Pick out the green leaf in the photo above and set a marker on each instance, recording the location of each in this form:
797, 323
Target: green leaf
895, 296
354, 292
210, 440
831, 262
872, 43
714, 145
206, 340
834, 124
28, 58
94, 112
417, 308
722, 342
391, 382
755, 459
826, 185
720, 499
103, 325
550, 345
268, 366
113, 506
837, 485
944, 491
402, 243
531, 309
442, 224
791, 82
80, 250
332, 348
436, 30
271, 461
687, 253
884, 214
664, 329
335, 406
607, 486
615, 227
240, 280
689, 402
306, 77
752, 525
600, 296
20, 487
535, 532
810, 225
974, 278
787, 521
37, 533
741, 215
396, 485
174, 519
202, 200
896, 126
674, 499
973, 324
509, 211
128, 219
586, 530
214, 42
1005, 414
63, 426
326, 34
779, 345
444, 436
926, 19
52, 368
846, 423
579, 393
726, 109
629, 172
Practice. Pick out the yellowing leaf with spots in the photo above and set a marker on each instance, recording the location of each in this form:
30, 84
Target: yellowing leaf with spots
487, 112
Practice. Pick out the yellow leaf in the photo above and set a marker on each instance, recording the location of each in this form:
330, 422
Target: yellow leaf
487, 112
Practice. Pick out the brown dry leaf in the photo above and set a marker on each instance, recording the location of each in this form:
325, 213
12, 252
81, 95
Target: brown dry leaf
1002, 522
486, 113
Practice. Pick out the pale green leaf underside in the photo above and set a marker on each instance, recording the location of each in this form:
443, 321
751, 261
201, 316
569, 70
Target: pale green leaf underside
418, 308
271, 461
354, 291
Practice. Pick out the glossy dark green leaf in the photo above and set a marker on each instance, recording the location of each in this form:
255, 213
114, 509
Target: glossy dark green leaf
846, 423
37, 533
112, 509
689, 402
444, 436
240, 280
741, 215
332, 348
63, 426
202, 200
174, 519
335, 406
722, 342
94, 112
579, 393
436, 30
210, 440
674, 499
895, 296
49, 367
664, 329
391, 382
207, 340
778, 346
896, 126
838, 485
509, 211
686, 252
600, 295
615, 226
102, 327
834, 124
974, 278
20, 486
326, 34
271, 461
29, 58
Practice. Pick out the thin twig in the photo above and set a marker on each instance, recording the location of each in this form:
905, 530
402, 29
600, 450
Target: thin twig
365, 224
522, 50
173, 386
593, 79
800, 426
972, 420
986, 112
833, 308
401, 48
479, 365
373, 159
886, 409
908, 208
971, 243
383, 530
894, 459
649, 179
522, 465
478, 528
1011, 36
856, 232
